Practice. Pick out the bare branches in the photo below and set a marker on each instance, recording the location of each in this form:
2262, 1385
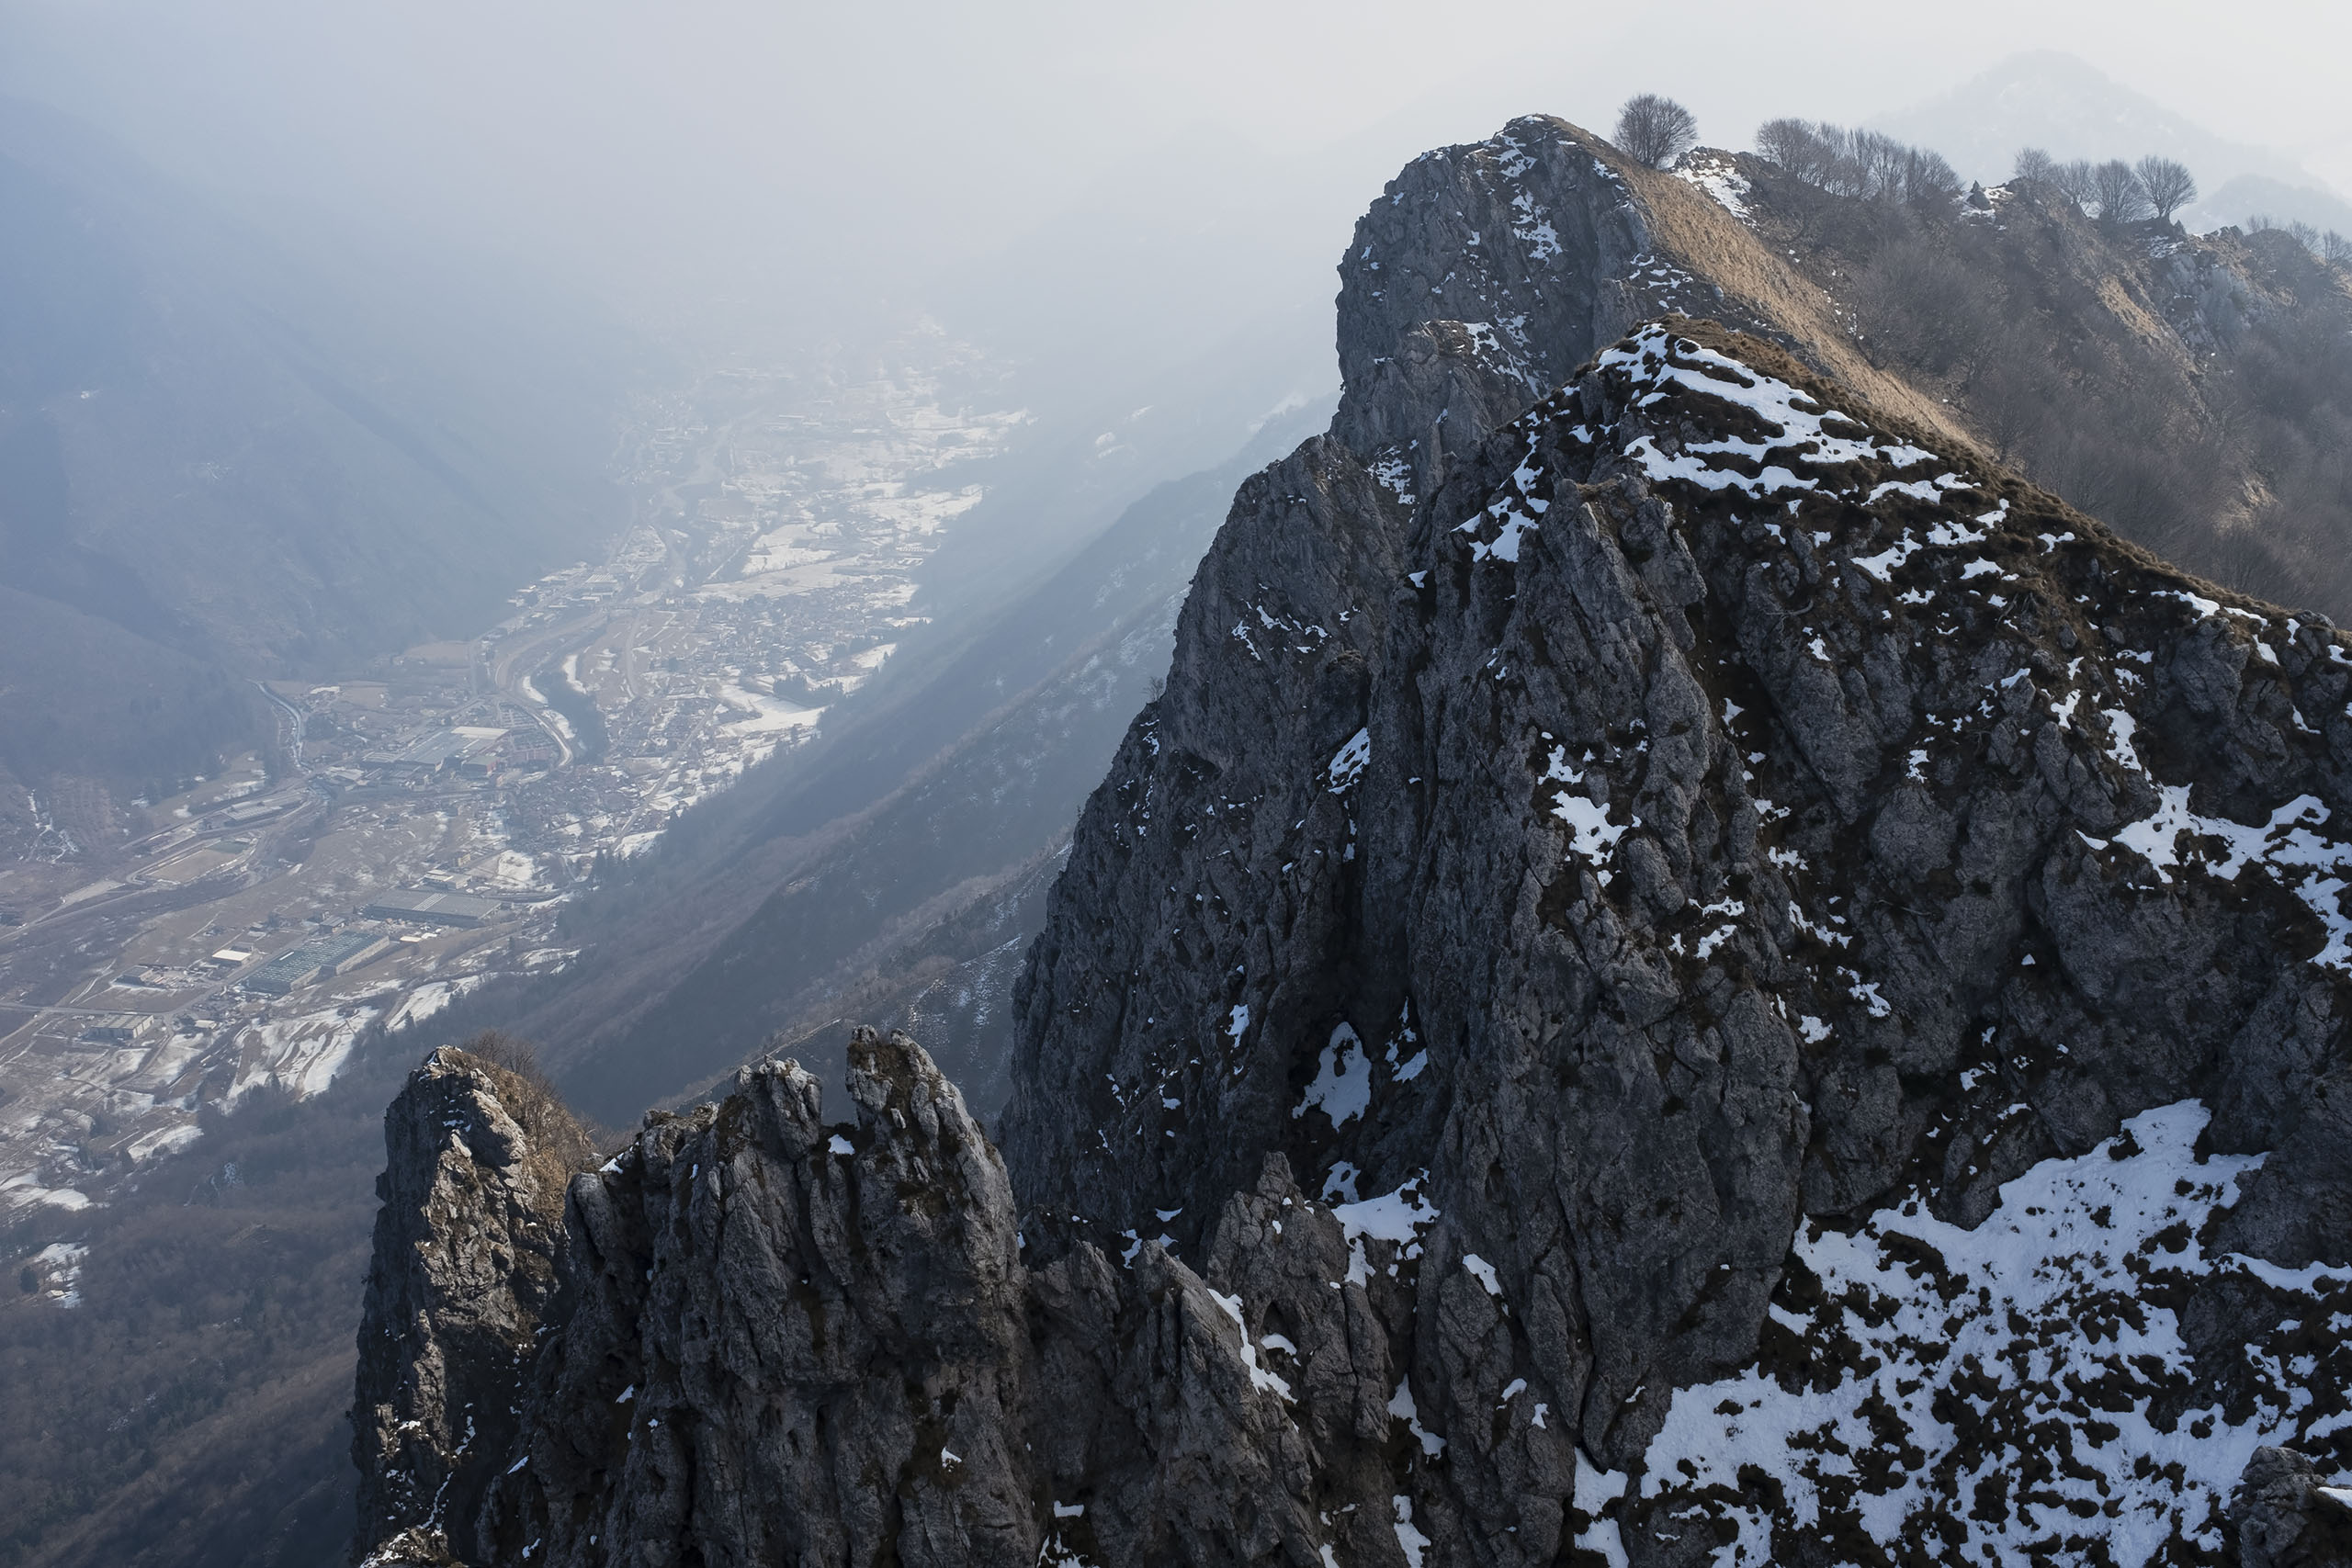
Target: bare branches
2121, 198
2330, 247
1655, 129
1865, 163
2033, 163
2115, 191
2168, 184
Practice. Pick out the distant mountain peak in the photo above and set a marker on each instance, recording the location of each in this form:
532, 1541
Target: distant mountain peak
2070, 109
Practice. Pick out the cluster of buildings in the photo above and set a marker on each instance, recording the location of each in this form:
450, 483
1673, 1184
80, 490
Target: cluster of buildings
317, 959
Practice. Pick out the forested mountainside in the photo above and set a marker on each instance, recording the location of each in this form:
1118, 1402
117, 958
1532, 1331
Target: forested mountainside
221, 459
1688, 967
2193, 390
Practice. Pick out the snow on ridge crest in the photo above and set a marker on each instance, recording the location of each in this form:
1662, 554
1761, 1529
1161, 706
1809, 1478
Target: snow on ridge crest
1657, 363
1718, 179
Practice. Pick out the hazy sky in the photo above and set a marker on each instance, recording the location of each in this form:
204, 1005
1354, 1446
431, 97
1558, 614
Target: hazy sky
683, 156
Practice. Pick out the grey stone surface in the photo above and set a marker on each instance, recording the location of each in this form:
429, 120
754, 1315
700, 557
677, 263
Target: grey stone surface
463, 1276
1616, 856
2282, 1518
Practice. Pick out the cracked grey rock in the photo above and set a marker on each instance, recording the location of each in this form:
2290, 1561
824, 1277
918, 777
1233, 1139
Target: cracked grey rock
464, 1273
2282, 1519
1615, 870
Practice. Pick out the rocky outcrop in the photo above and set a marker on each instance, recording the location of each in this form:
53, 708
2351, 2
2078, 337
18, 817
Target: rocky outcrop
477, 1160
1685, 971
2286, 1516
795, 1339
784, 1340
1733, 813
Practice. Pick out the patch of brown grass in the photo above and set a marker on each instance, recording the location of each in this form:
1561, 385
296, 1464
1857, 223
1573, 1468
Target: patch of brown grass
562, 1144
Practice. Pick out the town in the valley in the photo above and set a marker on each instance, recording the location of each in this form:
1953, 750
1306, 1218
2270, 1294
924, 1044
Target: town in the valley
421, 822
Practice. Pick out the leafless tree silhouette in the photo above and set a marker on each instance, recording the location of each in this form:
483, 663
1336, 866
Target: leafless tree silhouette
1655, 129
2168, 184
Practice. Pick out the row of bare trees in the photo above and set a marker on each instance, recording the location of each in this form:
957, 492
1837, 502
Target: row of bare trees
2329, 246
1877, 168
1865, 163
2115, 191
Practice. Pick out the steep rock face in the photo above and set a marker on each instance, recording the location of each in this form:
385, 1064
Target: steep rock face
1755, 808
1481, 278
782, 1333
1685, 971
784, 1340
464, 1273
1753, 816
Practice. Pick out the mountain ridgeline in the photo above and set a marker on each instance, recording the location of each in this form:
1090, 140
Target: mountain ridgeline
2190, 391
1689, 968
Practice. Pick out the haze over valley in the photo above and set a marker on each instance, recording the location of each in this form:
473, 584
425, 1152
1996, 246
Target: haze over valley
1703, 769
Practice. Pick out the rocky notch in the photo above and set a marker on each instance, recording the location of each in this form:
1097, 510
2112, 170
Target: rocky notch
1686, 970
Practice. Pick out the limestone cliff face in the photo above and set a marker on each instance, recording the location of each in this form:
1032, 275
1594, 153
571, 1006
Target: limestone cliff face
1736, 816
785, 1341
463, 1276
1685, 971
782, 1331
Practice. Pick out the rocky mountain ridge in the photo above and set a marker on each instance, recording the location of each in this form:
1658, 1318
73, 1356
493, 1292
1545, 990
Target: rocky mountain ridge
1686, 970
2012, 320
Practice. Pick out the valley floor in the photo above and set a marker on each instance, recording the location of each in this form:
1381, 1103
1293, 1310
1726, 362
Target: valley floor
442, 804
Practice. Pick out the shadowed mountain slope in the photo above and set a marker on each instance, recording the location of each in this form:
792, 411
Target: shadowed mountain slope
2191, 391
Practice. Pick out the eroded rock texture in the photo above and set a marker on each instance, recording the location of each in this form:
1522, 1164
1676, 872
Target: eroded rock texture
464, 1274
2286, 1516
784, 1341
1685, 971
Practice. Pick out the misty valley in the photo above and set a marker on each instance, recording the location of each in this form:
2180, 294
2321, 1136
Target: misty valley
903, 881
408, 833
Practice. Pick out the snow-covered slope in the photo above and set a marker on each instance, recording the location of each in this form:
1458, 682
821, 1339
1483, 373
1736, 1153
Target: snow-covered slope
2026, 1382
